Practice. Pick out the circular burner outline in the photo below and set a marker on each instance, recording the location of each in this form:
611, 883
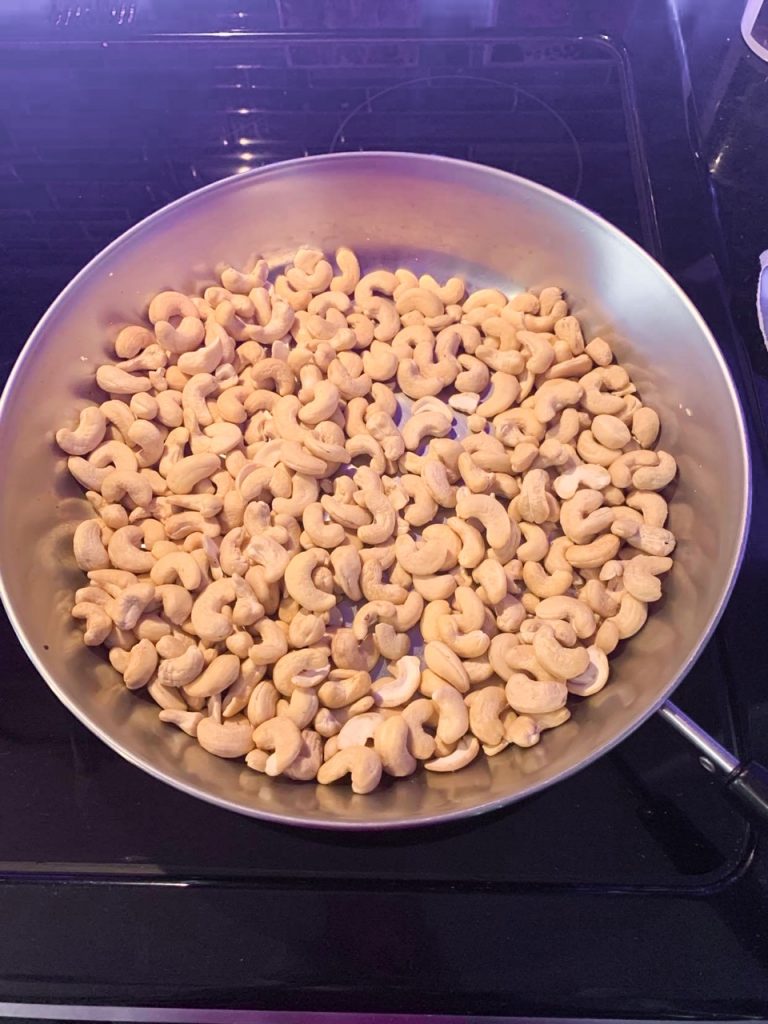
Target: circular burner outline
339, 134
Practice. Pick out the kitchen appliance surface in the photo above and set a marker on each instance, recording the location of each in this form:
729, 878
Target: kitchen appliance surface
639, 851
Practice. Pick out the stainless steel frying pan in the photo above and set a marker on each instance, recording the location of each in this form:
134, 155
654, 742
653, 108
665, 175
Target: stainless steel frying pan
435, 215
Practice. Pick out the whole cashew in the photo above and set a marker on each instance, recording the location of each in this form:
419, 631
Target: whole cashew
304, 668
572, 610
362, 763
129, 605
453, 717
395, 691
89, 549
390, 742
228, 738
283, 737
645, 426
141, 665
344, 687
346, 281
299, 583
489, 512
306, 764
532, 696
485, 710
88, 434
125, 552
465, 752
561, 662
594, 677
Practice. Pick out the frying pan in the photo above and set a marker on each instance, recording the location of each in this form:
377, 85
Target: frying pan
434, 215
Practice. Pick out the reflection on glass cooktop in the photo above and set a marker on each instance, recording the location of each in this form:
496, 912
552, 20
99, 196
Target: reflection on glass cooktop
103, 137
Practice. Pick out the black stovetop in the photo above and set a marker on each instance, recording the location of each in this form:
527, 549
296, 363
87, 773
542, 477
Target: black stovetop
631, 889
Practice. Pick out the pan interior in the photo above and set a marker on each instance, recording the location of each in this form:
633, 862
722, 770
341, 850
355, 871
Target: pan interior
436, 216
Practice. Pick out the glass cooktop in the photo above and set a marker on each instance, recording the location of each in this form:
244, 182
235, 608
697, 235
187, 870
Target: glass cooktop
112, 140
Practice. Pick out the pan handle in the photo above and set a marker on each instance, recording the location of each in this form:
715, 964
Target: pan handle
746, 782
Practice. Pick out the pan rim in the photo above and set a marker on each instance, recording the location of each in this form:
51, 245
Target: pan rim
233, 182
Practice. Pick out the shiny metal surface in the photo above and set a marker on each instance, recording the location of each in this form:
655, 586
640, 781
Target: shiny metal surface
436, 215
715, 756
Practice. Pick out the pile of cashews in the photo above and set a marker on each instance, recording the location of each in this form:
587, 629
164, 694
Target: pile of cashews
272, 518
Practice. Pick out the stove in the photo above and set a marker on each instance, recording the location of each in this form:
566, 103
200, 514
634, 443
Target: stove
632, 890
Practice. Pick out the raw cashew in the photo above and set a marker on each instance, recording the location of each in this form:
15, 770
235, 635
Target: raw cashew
215, 678
362, 763
395, 691
561, 662
489, 512
307, 762
305, 668
299, 583
182, 669
390, 742
208, 618
452, 714
465, 752
228, 738
88, 546
125, 551
445, 663
281, 736
88, 434
572, 610
344, 687
533, 696
485, 710
594, 677
98, 624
